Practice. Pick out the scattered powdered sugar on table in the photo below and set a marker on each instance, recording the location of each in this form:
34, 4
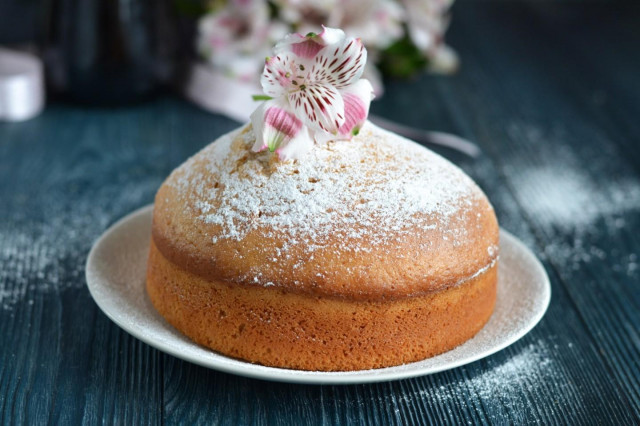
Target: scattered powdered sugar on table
376, 187
569, 201
532, 364
45, 253
506, 378
575, 196
573, 201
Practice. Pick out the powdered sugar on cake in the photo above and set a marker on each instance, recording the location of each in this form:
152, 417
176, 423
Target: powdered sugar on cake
377, 187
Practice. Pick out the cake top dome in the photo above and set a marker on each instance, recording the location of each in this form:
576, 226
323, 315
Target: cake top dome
378, 216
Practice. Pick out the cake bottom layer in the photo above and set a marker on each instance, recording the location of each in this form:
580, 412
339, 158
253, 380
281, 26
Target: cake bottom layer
269, 326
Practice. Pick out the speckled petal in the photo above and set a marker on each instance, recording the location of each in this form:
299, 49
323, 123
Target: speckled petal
277, 74
320, 107
339, 65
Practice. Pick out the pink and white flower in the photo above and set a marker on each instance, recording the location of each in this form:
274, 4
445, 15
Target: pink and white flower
316, 93
377, 22
427, 22
235, 37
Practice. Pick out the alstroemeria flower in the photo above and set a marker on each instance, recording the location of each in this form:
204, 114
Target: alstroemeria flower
235, 36
316, 90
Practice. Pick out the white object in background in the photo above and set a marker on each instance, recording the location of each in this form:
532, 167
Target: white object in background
214, 91
21, 85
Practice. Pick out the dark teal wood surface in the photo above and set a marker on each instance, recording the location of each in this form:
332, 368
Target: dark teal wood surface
549, 91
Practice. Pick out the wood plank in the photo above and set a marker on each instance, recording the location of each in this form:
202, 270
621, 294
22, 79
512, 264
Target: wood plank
54, 205
542, 164
608, 87
85, 169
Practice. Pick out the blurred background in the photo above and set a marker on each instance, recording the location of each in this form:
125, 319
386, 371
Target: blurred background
103, 52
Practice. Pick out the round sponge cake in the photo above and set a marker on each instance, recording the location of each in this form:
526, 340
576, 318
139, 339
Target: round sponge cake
364, 254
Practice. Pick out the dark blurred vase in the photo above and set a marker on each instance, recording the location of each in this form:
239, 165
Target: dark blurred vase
108, 52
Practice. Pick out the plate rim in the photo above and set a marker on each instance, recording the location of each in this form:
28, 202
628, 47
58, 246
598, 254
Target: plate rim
256, 371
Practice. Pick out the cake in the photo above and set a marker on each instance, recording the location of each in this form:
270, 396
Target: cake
372, 253
311, 239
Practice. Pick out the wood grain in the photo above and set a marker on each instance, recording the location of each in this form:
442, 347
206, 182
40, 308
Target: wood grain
550, 93
606, 300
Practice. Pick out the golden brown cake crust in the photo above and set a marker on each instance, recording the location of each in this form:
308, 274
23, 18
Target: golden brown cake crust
403, 221
365, 254
270, 326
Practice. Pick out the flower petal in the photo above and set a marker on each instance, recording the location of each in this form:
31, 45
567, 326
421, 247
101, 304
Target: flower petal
274, 126
373, 74
339, 65
321, 137
287, 42
277, 74
320, 107
257, 123
296, 147
308, 46
356, 107
307, 49
330, 36
304, 47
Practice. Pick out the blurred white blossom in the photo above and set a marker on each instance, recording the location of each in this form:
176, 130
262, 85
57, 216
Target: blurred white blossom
377, 22
427, 21
235, 38
237, 35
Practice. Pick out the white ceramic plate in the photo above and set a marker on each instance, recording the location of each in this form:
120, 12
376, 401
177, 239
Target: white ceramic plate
116, 270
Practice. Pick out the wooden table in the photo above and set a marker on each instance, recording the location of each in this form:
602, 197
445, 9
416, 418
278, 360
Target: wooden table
550, 92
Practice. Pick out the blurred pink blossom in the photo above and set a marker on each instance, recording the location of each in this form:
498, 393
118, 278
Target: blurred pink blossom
236, 38
427, 21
